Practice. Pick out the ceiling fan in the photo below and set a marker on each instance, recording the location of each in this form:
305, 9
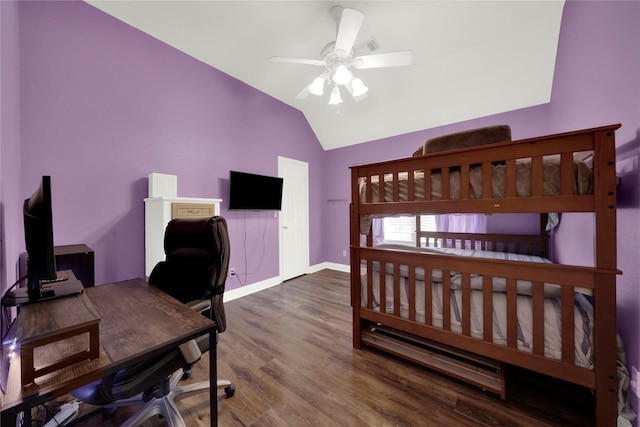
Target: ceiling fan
338, 57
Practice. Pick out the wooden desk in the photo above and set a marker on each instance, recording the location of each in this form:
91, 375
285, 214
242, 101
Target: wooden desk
137, 321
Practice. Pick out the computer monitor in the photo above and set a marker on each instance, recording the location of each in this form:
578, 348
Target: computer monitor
43, 282
38, 235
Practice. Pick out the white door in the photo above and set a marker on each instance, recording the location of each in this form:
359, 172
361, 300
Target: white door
294, 218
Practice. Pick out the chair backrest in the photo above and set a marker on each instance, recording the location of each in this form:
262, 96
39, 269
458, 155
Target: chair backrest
197, 262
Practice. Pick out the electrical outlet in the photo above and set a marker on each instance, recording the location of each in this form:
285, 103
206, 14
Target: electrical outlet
634, 381
232, 272
344, 252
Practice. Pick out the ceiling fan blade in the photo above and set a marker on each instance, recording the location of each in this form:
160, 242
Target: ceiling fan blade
391, 59
298, 61
350, 24
303, 93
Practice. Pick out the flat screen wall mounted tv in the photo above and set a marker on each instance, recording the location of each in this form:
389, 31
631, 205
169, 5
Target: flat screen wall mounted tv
252, 192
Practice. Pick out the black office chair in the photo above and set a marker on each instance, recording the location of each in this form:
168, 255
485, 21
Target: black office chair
194, 272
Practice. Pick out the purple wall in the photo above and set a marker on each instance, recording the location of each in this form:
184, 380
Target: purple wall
597, 82
10, 208
104, 105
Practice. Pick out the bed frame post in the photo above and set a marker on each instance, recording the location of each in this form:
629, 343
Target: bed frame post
544, 235
354, 236
605, 283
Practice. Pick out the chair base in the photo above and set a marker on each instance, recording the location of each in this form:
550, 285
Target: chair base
165, 405
228, 387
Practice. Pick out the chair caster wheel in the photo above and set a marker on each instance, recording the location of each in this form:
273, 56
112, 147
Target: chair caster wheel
186, 374
107, 413
230, 391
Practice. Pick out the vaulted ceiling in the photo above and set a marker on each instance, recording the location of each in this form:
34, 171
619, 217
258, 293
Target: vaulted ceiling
470, 58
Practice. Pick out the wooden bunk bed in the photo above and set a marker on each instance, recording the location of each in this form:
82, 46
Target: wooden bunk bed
393, 309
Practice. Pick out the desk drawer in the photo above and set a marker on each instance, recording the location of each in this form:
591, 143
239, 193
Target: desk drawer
192, 210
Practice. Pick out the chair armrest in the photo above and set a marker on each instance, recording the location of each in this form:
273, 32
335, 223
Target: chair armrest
190, 351
201, 306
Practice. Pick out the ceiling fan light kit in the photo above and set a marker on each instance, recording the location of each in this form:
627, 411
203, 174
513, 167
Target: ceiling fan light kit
338, 58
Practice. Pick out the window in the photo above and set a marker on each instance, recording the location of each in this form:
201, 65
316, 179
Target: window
402, 229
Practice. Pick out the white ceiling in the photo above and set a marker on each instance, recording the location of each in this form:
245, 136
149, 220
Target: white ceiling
471, 58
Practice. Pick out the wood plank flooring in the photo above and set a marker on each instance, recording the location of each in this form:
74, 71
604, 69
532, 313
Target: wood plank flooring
288, 349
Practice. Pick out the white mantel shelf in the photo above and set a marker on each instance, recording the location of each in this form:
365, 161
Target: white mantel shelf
182, 200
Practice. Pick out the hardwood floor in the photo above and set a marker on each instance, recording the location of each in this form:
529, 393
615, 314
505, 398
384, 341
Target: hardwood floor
288, 349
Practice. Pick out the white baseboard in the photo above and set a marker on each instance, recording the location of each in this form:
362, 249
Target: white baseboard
266, 284
346, 268
249, 289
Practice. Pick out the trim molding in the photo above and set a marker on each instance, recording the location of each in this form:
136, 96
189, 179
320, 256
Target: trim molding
243, 291
330, 266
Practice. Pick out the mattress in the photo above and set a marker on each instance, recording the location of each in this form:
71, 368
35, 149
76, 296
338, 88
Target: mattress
583, 183
583, 313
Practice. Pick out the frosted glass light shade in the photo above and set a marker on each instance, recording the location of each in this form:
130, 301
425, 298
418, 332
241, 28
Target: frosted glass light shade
316, 87
342, 75
335, 96
358, 88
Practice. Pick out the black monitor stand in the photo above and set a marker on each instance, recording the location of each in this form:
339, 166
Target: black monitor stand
50, 290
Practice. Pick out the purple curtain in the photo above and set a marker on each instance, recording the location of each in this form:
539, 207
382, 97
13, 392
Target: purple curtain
462, 223
377, 228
